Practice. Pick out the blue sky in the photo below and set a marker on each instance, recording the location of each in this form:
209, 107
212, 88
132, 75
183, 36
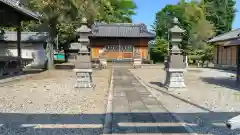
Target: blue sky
146, 11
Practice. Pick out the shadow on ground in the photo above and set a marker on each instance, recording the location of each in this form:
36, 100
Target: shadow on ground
25, 72
209, 120
223, 81
20, 123
164, 91
122, 123
159, 84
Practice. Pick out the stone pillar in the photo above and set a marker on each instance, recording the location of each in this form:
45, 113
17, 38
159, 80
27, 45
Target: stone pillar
175, 65
137, 60
82, 58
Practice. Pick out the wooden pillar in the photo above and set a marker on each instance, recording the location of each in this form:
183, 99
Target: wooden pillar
19, 52
19, 39
217, 62
238, 66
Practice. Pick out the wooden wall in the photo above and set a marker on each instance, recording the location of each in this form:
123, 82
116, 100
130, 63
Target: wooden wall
98, 43
225, 55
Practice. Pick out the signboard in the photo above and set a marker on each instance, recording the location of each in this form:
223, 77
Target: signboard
119, 48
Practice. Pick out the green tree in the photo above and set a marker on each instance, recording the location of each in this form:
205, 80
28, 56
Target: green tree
191, 18
159, 51
62, 17
221, 13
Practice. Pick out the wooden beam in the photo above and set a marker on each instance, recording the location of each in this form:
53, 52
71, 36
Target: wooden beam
19, 38
238, 66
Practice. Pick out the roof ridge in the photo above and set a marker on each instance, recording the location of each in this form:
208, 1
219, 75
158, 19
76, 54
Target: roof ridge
24, 32
22, 9
227, 32
226, 36
117, 24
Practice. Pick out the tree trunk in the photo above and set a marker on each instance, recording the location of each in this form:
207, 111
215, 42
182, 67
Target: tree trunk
50, 51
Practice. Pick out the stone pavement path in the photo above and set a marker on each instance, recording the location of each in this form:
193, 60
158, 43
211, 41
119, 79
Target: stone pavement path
136, 111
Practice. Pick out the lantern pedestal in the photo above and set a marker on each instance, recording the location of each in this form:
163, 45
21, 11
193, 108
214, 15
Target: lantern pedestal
175, 79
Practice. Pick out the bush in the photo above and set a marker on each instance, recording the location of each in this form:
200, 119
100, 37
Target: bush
159, 51
193, 59
145, 61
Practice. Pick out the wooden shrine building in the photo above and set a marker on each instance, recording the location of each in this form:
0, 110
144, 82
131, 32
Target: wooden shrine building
120, 40
226, 46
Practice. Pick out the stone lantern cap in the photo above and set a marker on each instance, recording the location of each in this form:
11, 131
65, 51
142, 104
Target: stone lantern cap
176, 29
84, 28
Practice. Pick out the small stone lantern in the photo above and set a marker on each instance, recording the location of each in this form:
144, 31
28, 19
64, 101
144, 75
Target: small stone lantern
175, 66
137, 60
102, 59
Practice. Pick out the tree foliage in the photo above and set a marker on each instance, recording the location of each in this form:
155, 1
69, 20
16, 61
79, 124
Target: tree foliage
160, 50
221, 13
62, 17
201, 20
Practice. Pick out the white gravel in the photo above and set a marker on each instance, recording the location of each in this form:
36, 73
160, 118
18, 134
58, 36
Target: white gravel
52, 94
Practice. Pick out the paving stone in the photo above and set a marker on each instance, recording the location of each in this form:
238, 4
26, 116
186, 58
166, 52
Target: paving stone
150, 101
120, 104
120, 94
138, 106
209, 98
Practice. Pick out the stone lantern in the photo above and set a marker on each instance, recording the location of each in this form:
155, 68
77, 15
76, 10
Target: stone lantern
175, 66
81, 58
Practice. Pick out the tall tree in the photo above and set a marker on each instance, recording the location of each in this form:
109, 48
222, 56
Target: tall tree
221, 13
63, 16
192, 19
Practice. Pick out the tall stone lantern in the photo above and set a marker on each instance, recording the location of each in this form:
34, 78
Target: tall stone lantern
175, 65
82, 59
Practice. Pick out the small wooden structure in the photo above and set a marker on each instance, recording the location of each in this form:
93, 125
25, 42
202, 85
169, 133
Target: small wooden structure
226, 49
11, 16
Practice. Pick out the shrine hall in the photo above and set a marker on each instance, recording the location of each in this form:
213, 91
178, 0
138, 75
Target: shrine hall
120, 40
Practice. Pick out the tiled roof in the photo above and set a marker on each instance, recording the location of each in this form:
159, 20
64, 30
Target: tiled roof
20, 9
226, 36
121, 30
26, 36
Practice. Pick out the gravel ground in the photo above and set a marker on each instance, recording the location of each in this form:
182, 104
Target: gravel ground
210, 100
49, 98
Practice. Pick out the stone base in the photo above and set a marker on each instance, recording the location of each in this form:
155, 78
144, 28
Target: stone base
84, 79
175, 80
137, 63
137, 66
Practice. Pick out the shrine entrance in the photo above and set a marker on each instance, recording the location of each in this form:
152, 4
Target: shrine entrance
119, 52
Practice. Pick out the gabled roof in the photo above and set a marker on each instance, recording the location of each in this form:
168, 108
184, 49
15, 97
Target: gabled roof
121, 30
226, 36
22, 10
25, 36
